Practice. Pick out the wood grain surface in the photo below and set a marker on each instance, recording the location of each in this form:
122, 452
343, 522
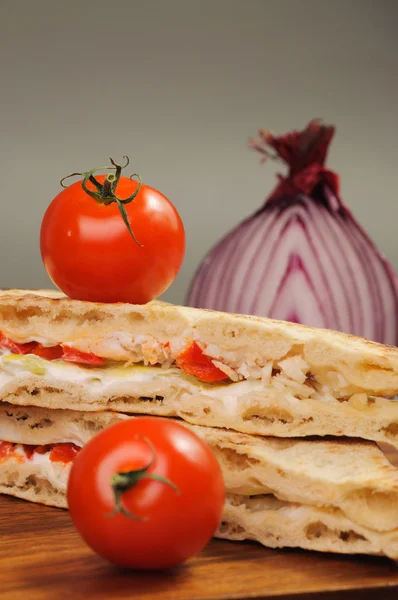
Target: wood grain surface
43, 558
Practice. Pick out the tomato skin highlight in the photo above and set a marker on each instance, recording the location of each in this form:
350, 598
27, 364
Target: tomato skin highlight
193, 362
174, 526
90, 255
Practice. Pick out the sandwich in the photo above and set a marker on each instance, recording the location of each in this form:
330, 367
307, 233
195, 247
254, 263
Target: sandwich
244, 384
248, 374
333, 495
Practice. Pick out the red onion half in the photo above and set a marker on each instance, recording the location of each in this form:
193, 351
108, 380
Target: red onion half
302, 257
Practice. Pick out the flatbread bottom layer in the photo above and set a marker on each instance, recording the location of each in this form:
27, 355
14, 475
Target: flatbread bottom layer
265, 519
351, 475
278, 524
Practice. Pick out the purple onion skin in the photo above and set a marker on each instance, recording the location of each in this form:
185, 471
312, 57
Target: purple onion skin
304, 259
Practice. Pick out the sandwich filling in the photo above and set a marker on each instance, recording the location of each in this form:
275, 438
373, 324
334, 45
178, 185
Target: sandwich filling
63, 453
193, 364
282, 397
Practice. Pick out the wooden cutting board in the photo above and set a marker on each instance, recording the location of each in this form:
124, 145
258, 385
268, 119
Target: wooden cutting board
43, 558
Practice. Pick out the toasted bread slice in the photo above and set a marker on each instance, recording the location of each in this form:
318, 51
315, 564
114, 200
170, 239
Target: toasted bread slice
351, 475
265, 519
279, 524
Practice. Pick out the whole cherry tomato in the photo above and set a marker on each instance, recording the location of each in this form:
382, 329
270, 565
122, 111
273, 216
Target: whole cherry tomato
146, 493
109, 238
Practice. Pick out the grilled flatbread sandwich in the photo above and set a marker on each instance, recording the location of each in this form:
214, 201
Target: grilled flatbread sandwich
249, 374
330, 495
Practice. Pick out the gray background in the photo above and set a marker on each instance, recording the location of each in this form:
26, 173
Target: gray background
180, 86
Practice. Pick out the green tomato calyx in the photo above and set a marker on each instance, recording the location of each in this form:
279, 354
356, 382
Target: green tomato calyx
124, 481
105, 193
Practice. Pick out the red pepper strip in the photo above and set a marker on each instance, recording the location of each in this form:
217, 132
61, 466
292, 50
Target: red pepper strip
48, 352
42, 449
6, 450
29, 450
84, 358
15, 348
63, 453
68, 354
51, 352
194, 362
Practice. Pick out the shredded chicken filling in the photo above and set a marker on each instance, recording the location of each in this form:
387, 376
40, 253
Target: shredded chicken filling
290, 377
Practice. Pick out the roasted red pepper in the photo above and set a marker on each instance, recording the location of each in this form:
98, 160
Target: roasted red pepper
51, 352
48, 352
63, 453
194, 362
84, 358
6, 451
16, 348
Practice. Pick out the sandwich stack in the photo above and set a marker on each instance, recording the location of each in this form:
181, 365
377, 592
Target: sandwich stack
293, 414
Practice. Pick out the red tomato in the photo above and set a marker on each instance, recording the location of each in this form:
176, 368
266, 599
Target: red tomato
148, 524
89, 253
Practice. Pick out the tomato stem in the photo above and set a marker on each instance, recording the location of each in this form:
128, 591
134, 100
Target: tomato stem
124, 481
105, 193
